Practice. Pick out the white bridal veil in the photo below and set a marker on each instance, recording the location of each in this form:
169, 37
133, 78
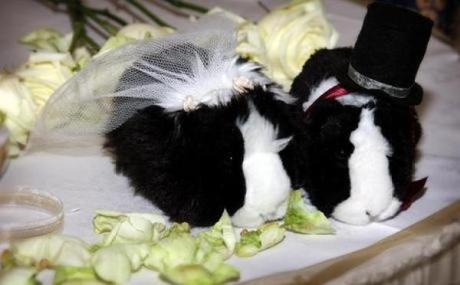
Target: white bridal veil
178, 72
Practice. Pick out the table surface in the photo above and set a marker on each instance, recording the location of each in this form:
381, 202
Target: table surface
88, 183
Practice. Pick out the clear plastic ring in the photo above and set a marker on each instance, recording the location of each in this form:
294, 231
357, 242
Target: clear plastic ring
28, 212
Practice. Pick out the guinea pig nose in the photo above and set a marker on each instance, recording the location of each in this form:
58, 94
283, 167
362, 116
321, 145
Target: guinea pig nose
370, 105
372, 218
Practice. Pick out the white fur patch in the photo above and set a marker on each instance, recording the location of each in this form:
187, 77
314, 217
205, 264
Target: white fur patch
267, 183
260, 135
319, 90
281, 95
371, 184
390, 211
355, 99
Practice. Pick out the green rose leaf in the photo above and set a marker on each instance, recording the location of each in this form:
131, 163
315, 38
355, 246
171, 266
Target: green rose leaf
197, 274
51, 250
128, 227
19, 276
220, 238
265, 236
115, 263
301, 220
69, 275
176, 248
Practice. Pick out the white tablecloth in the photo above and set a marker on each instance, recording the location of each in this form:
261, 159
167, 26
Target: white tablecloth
88, 183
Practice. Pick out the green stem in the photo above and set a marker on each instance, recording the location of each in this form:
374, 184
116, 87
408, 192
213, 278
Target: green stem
55, 2
188, 5
77, 21
106, 13
91, 44
108, 27
149, 14
263, 6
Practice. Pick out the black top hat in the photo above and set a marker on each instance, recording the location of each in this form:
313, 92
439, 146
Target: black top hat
388, 53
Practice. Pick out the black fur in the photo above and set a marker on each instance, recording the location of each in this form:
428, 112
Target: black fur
322, 64
326, 130
187, 164
329, 149
400, 126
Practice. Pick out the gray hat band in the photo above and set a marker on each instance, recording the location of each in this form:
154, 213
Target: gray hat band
369, 83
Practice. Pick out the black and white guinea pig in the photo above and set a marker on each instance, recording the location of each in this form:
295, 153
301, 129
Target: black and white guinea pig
222, 155
359, 149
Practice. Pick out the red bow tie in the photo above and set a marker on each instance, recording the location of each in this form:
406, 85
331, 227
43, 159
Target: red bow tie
332, 93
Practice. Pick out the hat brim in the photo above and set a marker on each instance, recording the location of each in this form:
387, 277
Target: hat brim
414, 98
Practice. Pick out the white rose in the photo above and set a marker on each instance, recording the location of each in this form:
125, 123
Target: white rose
229, 15
133, 32
292, 34
252, 45
44, 72
140, 31
47, 40
285, 38
23, 94
51, 64
250, 42
18, 108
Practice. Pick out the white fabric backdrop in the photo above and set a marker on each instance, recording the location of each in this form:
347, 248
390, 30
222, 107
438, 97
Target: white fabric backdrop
88, 183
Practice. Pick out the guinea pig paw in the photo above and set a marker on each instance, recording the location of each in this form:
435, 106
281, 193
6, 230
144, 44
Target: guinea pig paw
279, 213
390, 211
250, 217
353, 213
247, 218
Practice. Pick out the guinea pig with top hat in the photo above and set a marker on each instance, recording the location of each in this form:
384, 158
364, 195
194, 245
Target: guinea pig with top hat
209, 144
359, 126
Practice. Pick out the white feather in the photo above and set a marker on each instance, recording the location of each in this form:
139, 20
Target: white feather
213, 84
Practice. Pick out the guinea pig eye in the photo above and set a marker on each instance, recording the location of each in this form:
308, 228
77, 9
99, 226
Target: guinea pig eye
230, 158
343, 151
341, 154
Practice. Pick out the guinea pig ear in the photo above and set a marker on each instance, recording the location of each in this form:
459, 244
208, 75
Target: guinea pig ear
281, 144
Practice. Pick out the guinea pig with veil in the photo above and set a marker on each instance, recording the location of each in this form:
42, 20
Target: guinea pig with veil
218, 149
195, 128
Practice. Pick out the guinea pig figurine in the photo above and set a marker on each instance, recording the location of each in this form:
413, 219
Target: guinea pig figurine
360, 150
360, 129
219, 151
